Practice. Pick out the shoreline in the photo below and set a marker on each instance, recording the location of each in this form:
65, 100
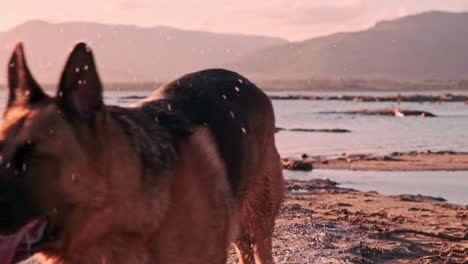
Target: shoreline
320, 222
362, 98
310, 84
410, 161
358, 98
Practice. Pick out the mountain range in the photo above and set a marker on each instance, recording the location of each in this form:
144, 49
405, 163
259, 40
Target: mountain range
432, 45
427, 46
127, 53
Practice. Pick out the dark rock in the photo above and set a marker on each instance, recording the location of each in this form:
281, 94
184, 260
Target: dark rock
420, 198
132, 97
278, 129
332, 130
344, 204
297, 165
417, 113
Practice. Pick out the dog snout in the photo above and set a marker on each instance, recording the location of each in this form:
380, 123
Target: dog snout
5, 210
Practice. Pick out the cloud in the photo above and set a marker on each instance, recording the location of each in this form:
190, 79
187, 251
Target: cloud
321, 15
402, 11
299, 12
133, 4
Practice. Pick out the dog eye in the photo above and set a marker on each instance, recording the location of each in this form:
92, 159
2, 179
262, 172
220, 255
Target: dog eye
24, 149
21, 156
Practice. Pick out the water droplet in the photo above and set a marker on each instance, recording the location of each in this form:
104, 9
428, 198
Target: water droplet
224, 97
237, 89
27, 93
241, 81
232, 114
86, 67
84, 81
60, 94
156, 119
8, 165
12, 65
243, 130
24, 167
178, 83
77, 69
169, 107
80, 82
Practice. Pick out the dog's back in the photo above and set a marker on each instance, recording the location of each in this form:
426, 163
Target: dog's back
241, 121
239, 115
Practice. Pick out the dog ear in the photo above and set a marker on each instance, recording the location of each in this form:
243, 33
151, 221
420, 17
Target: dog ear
23, 89
80, 90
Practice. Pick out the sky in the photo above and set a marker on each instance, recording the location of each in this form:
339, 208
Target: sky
290, 19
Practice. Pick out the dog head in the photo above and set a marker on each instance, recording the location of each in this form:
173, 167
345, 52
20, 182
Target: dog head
49, 154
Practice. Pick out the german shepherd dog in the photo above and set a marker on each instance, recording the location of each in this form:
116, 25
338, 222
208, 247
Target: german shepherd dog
176, 178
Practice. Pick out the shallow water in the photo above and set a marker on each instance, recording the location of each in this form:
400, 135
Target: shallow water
370, 134
451, 185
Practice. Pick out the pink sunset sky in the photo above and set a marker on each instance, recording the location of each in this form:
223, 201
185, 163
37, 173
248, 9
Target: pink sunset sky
291, 19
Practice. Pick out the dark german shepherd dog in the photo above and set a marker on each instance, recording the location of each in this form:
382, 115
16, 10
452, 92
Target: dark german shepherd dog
174, 179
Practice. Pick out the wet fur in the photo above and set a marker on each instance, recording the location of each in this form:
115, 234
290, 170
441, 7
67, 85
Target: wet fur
174, 179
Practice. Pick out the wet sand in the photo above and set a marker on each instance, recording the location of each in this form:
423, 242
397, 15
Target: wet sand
322, 223
412, 161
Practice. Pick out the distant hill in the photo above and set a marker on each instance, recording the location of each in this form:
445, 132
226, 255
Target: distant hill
431, 45
127, 53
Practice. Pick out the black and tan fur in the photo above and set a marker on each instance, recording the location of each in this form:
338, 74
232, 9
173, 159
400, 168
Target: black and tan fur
174, 179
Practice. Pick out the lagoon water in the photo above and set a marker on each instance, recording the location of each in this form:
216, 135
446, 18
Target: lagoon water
370, 134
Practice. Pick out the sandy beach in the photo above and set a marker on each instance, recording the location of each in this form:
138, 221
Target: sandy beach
444, 160
323, 223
